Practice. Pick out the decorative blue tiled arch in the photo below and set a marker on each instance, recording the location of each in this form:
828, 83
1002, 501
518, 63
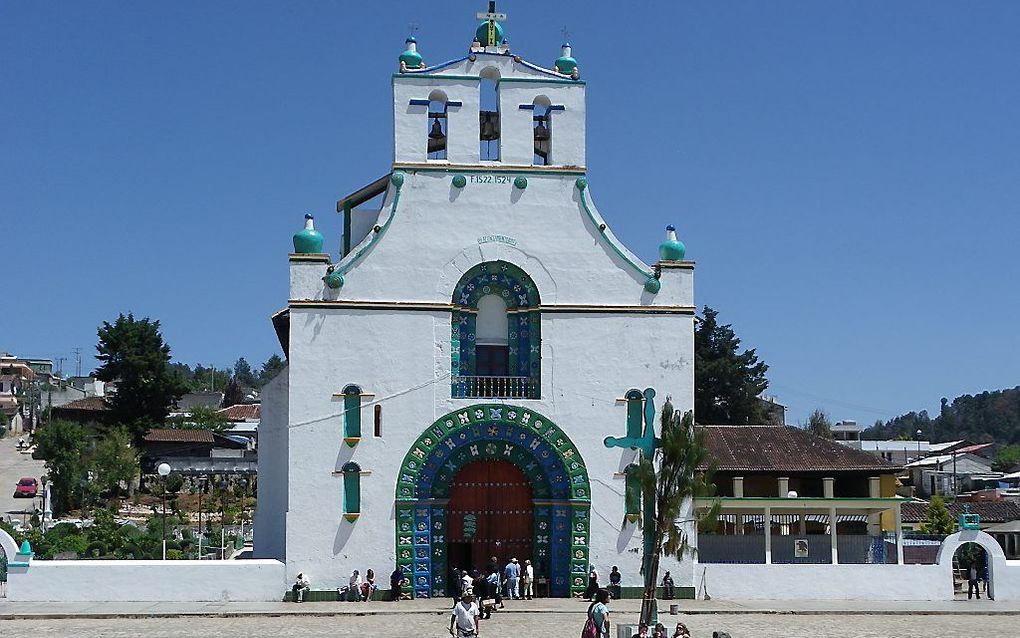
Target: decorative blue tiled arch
560, 486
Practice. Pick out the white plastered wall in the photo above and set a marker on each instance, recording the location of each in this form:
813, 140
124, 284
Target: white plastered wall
148, 581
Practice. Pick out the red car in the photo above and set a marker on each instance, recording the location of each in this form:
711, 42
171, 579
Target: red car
27, 486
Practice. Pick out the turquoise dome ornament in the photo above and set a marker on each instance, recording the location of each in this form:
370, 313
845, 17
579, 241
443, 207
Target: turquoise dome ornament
308, 240
566, 64
334, 280
482, 34
672, 249
411, 59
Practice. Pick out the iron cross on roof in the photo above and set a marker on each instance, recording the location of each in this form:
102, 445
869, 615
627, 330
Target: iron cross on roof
491, 15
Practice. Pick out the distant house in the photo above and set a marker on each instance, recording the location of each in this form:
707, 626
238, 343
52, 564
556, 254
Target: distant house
244, 419
777, 485
87, 410
197, 452
992, 513
193, 399
15, 378
950, 474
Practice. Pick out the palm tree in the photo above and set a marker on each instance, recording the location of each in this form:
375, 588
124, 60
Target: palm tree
677, 475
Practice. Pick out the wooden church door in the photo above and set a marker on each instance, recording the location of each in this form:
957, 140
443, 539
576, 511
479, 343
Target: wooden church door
490, 513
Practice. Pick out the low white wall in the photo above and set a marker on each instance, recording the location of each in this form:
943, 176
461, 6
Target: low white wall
824, 582
148, 580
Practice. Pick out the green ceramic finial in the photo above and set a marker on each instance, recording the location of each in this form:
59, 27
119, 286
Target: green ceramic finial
521, 182
566, 64
411, 59
308, 240
672, 249
26, 548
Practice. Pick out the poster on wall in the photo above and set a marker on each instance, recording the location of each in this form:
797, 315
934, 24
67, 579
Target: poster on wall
800, 548
470, 526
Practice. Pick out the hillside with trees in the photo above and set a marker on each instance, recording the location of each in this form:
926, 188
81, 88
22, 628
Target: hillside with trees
982, 418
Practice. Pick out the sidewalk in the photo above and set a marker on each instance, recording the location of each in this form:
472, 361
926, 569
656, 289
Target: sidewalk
34, 610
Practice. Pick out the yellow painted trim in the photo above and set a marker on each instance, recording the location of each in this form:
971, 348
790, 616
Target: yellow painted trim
432, 307
350, 518
351, 441
682, 265
316, 258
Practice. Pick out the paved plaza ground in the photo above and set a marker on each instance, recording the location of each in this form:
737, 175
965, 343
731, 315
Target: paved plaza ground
515, 626
758, 619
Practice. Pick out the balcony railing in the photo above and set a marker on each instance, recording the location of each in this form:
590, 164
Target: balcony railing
495, 388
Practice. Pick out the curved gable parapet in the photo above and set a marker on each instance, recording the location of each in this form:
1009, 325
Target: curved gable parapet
469, 65
642, 271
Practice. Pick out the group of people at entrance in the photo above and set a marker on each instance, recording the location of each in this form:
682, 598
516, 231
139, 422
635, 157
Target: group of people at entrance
514, 581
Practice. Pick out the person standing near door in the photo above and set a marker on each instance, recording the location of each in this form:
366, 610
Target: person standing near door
973, 580
513, 577
528, 580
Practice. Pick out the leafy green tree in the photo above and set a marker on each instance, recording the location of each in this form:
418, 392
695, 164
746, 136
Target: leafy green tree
937, 519
271, 368
133, 354
202, 417
819, 424
233, 394
243, 373
114, 461
986, 417
679, 473
65, 445
1006, 458
727, 382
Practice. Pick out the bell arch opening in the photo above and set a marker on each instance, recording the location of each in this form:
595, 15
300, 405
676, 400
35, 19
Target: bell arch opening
453, 470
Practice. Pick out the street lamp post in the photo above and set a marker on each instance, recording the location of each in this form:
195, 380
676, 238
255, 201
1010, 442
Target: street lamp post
164, 471
201, 487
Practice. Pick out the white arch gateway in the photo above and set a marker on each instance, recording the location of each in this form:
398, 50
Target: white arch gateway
1003, 575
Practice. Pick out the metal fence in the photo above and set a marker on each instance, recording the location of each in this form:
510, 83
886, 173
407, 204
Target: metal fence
816, 549
739, 548
495, 388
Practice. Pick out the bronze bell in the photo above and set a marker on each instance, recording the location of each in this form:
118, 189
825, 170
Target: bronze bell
541, 132
437, 131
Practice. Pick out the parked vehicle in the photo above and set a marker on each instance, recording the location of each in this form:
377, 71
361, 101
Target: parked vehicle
27, 487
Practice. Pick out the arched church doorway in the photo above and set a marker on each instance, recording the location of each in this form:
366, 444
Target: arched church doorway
490, 514
514, 464
972, 571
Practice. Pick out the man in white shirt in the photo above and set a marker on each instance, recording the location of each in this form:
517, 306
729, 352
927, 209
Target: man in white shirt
464, 617
301, 585
528, 580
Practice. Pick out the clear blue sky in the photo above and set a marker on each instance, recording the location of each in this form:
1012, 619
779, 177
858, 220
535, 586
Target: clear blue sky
846, 174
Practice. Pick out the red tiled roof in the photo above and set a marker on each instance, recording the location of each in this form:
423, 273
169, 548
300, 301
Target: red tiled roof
88, 403
167, 435
243, 412
779, 448
990, 511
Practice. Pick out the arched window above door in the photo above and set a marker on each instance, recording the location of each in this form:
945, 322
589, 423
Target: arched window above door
496, 334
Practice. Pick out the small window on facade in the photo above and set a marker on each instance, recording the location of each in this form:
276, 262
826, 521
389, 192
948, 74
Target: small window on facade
352, 490
437, 126
542, 127
378, 420
488, 115
352, 415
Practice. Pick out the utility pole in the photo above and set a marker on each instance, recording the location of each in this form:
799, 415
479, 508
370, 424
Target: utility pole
77, 360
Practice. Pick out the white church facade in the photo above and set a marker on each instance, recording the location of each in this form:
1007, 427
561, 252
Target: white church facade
452, 378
